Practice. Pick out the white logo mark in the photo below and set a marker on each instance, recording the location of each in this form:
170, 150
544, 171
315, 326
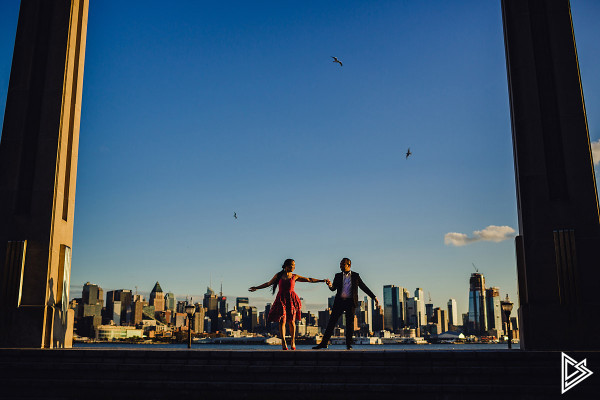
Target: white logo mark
569, 381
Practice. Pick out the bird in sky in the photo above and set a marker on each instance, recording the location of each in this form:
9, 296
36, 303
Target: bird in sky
408, 153
235, 215
335, 59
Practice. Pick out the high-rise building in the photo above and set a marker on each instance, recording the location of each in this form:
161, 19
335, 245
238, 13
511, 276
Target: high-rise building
369, 308
429, 311
330, 302
241, 302
249, 318
211, 303
494, 309
392, 308
157, 298
453, 312
443, 320
404, 296
170, 301
199, 318
477, 319
122, 313
222, 303
421, 314
92, 294
378, 319
324, 319
91, 316
137, 308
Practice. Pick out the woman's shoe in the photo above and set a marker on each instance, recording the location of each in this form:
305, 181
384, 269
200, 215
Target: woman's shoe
294, 346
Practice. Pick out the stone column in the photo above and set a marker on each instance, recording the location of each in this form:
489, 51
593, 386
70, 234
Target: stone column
38, 168
559, 224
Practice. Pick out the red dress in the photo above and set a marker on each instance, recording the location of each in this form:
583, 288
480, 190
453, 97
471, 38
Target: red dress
287, 305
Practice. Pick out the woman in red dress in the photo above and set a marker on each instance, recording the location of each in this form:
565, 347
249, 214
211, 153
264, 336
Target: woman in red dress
286, 307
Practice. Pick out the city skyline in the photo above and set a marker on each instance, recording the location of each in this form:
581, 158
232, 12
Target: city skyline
260, 302
194, 112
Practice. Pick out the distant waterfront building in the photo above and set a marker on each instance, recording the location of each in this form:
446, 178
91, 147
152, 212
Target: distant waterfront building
324, 318
378, 319
249, 318
112, 332
404, 296
199, 316
477, 318
413, 305
241, 302
170, 302
421, 314
92, 294
429, 311
91, 310
369, 308
441, 317
330, 302
137, 311
392, 308
211, 304
222, 303
121, 314
452, 312
157, 298
494, 309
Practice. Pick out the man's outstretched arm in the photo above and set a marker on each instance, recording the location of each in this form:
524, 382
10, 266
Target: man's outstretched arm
368, 291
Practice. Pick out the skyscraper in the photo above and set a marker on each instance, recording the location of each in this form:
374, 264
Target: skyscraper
241, 302
118, 306
494, 309
392, 309
222, 303
157, 298
477, 319
421, 314
378, 319
210, 302
170, 301
453, 312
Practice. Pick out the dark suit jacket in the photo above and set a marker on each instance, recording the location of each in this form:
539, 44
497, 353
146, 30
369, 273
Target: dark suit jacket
338, 284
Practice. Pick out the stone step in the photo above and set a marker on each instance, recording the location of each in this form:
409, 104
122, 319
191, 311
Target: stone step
223, 374
100, 388
265, 373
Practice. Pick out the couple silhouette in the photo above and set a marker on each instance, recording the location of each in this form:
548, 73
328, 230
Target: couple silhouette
286, 308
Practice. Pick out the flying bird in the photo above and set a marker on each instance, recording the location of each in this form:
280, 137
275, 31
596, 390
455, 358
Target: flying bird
335, 59
235, 215
408, 153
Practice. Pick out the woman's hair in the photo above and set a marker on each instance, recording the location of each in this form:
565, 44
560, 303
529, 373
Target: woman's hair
286, 263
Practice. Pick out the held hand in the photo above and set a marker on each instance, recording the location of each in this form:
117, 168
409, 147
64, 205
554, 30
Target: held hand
252, 289
328, 282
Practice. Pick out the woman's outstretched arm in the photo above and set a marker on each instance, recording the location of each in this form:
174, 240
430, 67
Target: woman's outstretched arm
311, 280
264, 285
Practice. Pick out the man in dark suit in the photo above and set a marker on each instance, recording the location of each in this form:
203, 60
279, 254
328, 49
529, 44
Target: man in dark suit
346, 300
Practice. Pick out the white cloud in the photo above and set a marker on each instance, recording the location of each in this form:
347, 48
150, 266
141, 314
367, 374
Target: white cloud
492, 233
596, 151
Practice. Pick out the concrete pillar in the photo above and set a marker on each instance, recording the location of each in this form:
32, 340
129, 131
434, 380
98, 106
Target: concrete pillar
559, 224
38, 168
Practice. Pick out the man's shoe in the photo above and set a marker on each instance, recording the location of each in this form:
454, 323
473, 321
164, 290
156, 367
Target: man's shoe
349, 347
320, 346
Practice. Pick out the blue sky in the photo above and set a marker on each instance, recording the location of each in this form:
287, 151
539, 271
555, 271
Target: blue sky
195, 110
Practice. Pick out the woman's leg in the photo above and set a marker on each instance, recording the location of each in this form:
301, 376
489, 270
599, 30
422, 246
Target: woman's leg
292, 325
282, 333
